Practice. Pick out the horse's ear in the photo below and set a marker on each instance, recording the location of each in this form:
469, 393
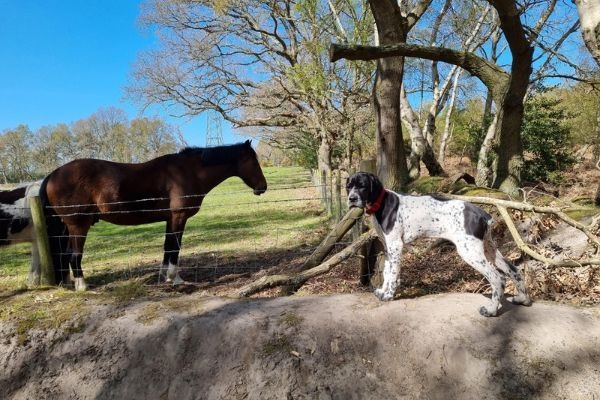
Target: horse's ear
248, 142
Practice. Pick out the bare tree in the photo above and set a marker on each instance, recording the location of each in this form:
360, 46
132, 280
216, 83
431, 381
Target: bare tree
54, 146
444, 82
16, 162
259, 63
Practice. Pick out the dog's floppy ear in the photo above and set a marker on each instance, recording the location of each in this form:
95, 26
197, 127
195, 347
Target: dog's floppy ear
375, 187
349, 180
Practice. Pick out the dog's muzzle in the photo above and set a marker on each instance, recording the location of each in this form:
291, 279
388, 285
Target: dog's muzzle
354, 199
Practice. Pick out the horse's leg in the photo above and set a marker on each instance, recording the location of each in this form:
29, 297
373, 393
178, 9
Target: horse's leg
59, 241
77, 236
173, 237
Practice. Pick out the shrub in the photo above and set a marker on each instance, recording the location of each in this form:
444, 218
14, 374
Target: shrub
546, 140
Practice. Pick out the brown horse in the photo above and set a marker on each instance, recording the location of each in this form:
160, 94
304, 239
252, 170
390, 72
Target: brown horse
168, 188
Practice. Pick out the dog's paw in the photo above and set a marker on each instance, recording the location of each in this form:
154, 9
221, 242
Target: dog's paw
487, 313
383, 295
522, 300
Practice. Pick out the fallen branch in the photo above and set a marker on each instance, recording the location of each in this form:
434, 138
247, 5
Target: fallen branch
333, 237
503, 205
533, 254
297, 280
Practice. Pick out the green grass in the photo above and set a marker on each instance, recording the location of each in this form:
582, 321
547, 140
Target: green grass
232, 224
232, 221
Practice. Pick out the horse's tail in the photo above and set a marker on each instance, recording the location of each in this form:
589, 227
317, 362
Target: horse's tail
58, 237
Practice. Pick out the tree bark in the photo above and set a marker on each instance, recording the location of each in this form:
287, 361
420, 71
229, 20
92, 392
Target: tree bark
484, 165
589, 16
417, 140
446, 134
391, 157
491, 75
324, 153
511, 108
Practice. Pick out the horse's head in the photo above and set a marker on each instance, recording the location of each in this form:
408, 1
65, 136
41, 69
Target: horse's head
249, 170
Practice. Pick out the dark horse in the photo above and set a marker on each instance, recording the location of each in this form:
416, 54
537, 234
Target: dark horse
168, 188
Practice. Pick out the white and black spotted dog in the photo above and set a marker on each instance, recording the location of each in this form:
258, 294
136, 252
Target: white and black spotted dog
401, 219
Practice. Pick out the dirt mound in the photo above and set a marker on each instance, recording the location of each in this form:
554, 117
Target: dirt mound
313, 347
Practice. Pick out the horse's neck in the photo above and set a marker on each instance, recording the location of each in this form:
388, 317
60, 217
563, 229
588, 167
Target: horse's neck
215, 174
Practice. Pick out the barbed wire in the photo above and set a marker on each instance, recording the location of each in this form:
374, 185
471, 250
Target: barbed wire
262, 202
189, 196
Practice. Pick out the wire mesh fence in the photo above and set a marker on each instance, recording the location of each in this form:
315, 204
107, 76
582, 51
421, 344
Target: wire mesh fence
234, 233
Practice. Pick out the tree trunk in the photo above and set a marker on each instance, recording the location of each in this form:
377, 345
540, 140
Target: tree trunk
421, 149
417, 141
391, 157
510, 150
324, 154
484, 162
589, 16
446, 134
510, 111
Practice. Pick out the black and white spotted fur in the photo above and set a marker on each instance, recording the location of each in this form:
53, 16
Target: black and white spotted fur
400, 219
15, 217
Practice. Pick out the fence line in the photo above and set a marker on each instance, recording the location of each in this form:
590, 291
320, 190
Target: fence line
212, 196
201, 254
330, 185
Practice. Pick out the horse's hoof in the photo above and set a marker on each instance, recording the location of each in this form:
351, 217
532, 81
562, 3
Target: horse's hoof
80, 285
176, 281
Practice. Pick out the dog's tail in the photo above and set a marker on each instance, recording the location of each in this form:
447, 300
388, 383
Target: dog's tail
58, 237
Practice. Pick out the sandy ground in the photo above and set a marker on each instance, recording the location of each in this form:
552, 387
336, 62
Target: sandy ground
313, 347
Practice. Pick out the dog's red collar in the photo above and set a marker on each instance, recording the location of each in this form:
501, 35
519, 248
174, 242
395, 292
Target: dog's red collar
377, 205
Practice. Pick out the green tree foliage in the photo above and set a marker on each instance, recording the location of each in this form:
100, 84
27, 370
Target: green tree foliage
305, 152
546, 140
106, 134
16, 161
582, 102
467, 134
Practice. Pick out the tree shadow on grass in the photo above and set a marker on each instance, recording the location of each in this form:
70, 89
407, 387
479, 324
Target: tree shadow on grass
205, 270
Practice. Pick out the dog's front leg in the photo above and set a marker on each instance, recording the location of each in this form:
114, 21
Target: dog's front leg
391, 273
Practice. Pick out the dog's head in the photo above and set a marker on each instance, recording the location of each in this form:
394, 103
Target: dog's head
363, 189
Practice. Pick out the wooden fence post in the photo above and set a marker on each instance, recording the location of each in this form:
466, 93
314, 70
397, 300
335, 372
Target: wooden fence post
338, 195
45, 274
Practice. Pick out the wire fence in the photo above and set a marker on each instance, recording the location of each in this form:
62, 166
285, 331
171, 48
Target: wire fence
234, 233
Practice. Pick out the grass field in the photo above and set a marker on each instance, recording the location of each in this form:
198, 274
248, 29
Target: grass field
233, 225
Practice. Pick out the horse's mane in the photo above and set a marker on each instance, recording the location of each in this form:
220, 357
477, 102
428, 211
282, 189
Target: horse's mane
218, 154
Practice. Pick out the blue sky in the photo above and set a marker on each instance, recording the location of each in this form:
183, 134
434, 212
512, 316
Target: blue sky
61, 61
